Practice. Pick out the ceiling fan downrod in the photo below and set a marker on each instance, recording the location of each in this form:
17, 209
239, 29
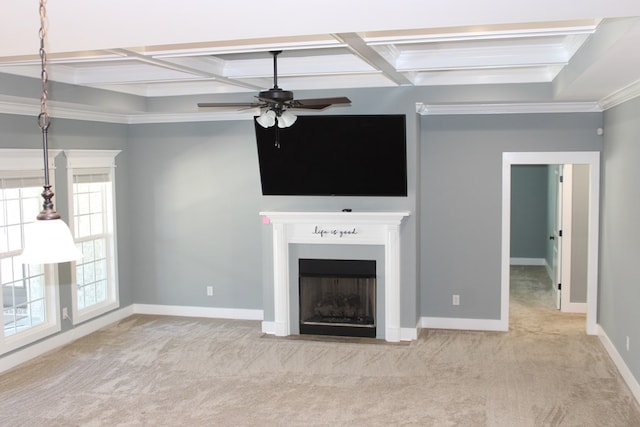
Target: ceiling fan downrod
275, 54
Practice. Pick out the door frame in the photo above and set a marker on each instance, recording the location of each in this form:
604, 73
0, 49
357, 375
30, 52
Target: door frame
591, 158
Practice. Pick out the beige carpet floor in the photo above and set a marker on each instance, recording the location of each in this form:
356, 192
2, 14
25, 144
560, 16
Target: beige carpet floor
167, 371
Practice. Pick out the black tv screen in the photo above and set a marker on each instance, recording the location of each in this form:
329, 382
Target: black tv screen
348, 155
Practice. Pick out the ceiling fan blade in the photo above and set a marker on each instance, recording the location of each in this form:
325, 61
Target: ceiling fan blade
230, 104
319, 103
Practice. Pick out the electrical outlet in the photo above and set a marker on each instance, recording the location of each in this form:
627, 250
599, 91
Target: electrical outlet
209, 291
65, 313
627, 342
456, 299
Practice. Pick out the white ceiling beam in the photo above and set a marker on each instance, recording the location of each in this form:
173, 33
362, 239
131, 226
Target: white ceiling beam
372, 57
194, 68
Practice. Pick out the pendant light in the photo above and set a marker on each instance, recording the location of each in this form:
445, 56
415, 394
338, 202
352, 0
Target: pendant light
48, 240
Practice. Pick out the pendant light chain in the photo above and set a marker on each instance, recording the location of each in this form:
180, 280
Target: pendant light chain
43, 118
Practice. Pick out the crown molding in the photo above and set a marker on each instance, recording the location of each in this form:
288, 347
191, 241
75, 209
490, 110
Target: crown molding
31, 107
508, 108
147, 118
623, 95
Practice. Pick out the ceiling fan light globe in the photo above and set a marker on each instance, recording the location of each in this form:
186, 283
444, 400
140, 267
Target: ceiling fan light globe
286, 119
267, 119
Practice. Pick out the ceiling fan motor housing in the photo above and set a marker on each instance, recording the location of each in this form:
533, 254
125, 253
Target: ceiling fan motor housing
276, 95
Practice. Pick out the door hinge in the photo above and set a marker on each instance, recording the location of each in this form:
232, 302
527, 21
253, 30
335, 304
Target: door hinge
560, 233
561, 178
559, 286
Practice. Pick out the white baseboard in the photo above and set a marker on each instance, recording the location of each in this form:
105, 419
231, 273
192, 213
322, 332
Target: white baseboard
624, 370
268, 327
463, 324
408, 334
48, 344
574, 307
528, 261
208, 312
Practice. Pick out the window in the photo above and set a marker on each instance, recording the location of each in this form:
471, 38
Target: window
95, 289
29, 292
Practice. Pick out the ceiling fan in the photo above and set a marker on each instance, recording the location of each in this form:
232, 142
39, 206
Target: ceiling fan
276, 102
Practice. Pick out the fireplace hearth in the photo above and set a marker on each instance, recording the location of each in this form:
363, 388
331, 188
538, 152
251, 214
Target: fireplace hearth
337, 297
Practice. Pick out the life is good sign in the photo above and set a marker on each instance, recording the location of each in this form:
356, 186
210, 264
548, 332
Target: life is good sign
334, 232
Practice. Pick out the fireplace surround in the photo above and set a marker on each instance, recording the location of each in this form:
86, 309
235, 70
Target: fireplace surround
334, 228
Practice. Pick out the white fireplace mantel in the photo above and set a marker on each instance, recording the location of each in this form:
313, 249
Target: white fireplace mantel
345, 228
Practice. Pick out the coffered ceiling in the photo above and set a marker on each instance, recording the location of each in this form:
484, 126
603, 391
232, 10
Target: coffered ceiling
588, 55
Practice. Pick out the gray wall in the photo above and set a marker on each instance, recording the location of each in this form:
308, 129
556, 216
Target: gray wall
195, 214
461, 190
529, 211
619, 289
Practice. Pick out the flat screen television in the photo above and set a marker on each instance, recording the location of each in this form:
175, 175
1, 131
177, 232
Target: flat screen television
346, 155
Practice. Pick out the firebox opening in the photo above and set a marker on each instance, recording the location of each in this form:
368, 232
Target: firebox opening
337, 297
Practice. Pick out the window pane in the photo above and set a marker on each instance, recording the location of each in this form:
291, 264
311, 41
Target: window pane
18, 272
31, 193
6, 270
14, 237
101, 269
37, 312
96, 198
96, 224
88, 251
31, 207
83, 204
89, 273
36, 287
89, 295
84, 227
79, 274
101, 291
12, 193
100, 250
81, 303
13, 211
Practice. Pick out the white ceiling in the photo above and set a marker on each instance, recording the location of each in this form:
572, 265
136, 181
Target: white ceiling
196, 47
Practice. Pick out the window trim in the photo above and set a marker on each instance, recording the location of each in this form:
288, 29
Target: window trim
87, 160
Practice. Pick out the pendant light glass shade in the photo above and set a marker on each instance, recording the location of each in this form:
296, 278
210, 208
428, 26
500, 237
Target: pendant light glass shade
267, 119
48, 242
286, 119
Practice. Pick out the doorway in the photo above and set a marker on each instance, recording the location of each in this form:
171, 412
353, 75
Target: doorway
592, 160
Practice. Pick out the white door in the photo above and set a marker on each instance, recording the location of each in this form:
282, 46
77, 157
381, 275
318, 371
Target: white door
562, 238
556, 237
565, 241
